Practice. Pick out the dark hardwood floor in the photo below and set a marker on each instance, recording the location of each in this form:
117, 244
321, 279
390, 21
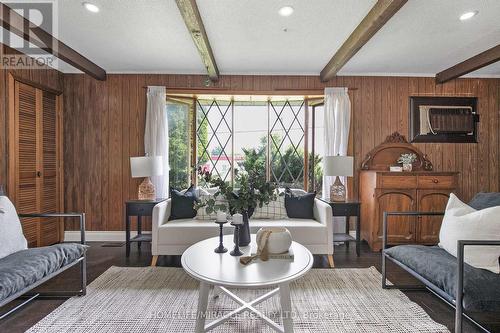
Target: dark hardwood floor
102, 256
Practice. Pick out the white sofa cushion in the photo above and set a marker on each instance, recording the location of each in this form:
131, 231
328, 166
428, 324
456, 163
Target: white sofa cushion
189, 231
462, 222
303, 231
11, 233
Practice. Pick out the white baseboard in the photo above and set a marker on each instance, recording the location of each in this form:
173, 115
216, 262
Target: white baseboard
98, 236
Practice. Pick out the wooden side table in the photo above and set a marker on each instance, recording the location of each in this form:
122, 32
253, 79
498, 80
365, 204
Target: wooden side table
138, 208
347, 209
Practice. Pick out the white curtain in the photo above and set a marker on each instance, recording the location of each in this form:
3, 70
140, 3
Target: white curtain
156, 135
337, 113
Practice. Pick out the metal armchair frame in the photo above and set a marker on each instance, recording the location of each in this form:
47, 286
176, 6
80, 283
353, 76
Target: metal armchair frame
455, 302
55, 294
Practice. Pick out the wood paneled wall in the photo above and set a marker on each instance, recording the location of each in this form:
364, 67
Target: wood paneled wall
46, 77
104, 126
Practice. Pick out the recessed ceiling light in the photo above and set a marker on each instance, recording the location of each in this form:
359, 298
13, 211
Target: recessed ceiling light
286, 11
468, 15
90, 7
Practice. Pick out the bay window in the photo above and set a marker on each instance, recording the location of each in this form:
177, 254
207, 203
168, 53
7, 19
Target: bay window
229, 134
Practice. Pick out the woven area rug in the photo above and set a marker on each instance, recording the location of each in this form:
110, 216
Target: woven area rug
157, 299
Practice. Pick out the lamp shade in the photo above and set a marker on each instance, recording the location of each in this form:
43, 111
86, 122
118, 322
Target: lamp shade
338, 166
146, 166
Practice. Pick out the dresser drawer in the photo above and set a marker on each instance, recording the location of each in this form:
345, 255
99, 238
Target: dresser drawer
345, 209
436, 181
398, 181
140, 209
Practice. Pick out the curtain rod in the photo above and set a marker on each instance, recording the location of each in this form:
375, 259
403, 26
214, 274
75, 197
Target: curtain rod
320, 89
228, 89
188, 88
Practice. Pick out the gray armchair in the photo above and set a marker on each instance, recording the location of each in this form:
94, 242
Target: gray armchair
22, 271
461, 286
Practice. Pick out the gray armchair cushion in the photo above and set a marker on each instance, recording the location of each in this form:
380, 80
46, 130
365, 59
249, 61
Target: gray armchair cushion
23, 268
484, 200
481, 287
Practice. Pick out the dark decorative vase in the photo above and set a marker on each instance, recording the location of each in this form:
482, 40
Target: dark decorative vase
244, 231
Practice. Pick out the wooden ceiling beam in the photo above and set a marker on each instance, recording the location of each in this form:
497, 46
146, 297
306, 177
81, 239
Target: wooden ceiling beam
380, 13
481, 60
15, 23
192, 19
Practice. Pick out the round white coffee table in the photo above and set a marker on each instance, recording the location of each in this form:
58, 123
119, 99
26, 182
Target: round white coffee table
225, 271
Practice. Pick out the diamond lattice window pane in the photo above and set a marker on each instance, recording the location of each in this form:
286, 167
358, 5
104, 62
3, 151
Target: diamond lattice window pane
287, 141
214, 137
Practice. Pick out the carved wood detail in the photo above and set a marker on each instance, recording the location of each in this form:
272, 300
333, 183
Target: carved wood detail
395, 138
386, 154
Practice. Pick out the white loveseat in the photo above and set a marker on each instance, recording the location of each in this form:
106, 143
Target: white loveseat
174, 237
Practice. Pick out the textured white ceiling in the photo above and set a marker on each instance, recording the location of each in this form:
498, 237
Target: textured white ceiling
426, 37
130, 36
493, 69
247, 37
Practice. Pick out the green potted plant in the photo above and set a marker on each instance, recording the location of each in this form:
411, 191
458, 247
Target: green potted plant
407, 160
253, 191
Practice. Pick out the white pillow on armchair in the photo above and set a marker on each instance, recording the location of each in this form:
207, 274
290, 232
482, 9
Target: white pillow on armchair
462, 222
11, 233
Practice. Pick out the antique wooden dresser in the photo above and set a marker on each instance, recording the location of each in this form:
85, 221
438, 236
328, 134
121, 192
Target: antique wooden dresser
419, 190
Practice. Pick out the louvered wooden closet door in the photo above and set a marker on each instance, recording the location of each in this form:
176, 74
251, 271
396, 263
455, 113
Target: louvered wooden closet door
36, 170
27, 188
49, 186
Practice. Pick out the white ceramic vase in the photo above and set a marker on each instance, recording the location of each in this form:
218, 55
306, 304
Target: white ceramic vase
279, 241
407, 167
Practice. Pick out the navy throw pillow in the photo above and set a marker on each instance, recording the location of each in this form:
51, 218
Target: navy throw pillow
299, 207
484, 200
183, 204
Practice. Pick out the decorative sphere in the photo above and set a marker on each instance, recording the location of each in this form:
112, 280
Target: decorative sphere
279, 241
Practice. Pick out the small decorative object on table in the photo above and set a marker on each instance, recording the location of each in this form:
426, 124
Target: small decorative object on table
279, 240
146, 166
338, 166
237, 223
262, 248
395, 168
272, 243
221, 220
407, 161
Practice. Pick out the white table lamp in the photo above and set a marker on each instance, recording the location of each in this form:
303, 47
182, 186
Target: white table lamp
339, 166
146, 166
